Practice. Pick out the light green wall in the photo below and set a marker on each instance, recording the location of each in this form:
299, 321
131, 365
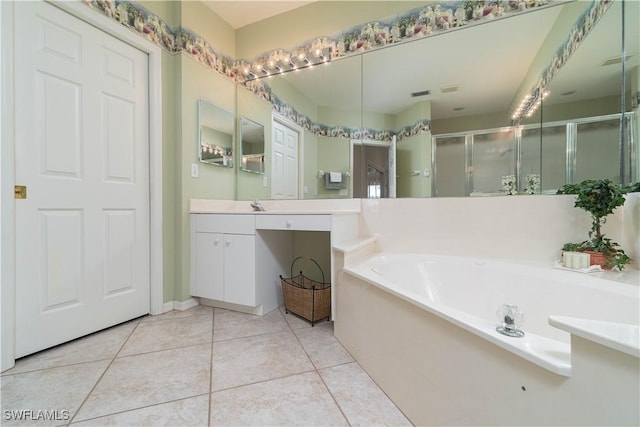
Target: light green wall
380, 121
171, 126
338, 117
311, 181
413, 153
319, 153
466, 123
169, 11
184, 81
199, 82
586, 108
289, 94
315, 245
203, 21
333, 156
214, 182
250, 185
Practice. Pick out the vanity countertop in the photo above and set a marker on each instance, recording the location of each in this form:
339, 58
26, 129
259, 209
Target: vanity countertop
276, 207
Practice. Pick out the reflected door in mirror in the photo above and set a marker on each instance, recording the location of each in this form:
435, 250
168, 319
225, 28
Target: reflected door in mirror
370, 171
450, 176
284, 179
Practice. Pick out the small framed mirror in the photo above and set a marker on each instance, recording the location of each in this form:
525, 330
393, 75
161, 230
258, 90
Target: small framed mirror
215, 134
251, 146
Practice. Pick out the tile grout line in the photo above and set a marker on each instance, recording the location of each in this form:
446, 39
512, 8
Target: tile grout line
54, 367
368, 376
8, 372
133, 355
161, 349
315, 368
210, 393
142, 407
102, 375
270, 379
289, 329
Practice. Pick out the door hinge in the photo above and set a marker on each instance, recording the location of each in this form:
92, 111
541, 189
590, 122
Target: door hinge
20, 191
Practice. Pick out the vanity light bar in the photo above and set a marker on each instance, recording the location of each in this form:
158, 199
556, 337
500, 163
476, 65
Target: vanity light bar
529, 105
293, 63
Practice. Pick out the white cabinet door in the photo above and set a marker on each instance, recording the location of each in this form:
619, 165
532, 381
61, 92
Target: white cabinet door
239, 269
209, 266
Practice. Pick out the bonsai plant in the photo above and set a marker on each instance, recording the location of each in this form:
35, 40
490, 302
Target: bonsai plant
599, 198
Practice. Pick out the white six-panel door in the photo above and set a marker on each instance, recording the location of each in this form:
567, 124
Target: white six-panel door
82, 150
284, 176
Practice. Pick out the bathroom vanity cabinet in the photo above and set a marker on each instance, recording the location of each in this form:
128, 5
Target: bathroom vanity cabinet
237, 258
223, 258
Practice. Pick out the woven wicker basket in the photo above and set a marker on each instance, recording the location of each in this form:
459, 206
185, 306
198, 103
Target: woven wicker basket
305, 297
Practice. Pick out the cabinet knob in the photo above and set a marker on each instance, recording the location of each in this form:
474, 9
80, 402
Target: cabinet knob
216, 241
227, 242
289, 223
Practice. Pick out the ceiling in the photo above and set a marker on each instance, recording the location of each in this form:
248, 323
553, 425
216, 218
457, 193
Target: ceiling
239, 13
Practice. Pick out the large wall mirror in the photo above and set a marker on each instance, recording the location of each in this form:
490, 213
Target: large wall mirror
215, 134
448, 103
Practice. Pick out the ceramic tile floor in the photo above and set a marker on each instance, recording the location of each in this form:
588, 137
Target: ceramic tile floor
199, 367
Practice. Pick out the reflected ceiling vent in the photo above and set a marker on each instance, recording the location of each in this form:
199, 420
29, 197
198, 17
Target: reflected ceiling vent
458, 108
450, 88
614, 60
571, 92
421, 93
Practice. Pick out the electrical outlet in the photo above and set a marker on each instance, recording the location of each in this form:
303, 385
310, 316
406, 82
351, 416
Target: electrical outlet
265, 182
426, 173
194, 170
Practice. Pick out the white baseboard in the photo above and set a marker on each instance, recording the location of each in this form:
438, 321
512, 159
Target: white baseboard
234, 307
179, 305
185, 305
166, 307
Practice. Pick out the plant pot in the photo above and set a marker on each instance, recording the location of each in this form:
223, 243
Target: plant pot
598, 258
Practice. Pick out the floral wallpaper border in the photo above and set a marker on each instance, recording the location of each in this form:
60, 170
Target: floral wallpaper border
580, 29
263, 91
433, 18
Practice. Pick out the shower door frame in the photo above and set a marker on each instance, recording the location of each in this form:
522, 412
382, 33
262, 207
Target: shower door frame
631, 150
